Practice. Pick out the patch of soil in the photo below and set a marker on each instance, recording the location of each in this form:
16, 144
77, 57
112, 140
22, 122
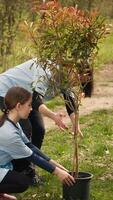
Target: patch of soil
102, 97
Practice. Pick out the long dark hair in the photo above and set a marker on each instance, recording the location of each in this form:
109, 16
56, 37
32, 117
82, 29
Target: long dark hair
13, 96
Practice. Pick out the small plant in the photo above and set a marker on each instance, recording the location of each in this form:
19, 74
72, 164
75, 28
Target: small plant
65, 40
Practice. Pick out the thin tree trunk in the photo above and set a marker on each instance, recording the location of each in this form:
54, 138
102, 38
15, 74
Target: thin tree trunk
75, 156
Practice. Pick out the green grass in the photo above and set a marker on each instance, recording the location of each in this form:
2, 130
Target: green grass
95, 156
105, 53
55, 102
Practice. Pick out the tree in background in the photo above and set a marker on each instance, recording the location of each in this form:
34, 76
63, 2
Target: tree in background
11, 13
8, 25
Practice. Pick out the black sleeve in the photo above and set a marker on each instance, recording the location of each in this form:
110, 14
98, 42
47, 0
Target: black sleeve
41, 162
70, 101
37, 151
37, 100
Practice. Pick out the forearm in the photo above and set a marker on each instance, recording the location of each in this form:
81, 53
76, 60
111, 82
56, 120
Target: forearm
37, 151
39, 105
41, 162
62, 174
46, 111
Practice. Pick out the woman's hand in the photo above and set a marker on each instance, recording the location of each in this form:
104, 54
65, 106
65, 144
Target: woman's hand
58, 119
64, 176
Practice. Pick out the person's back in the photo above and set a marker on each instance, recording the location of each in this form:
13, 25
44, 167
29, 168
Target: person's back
28, 75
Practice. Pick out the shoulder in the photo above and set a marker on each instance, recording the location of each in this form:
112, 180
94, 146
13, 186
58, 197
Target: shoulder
8, 131
27, 65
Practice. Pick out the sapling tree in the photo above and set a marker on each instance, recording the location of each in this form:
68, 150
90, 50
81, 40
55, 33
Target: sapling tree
65, 40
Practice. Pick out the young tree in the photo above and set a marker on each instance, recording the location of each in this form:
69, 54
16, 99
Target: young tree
66, 42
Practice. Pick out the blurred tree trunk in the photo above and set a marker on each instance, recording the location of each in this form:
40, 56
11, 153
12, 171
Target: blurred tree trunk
9, 19
11, 13
89, 6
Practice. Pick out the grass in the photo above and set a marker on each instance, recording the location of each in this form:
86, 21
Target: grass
95, 156
105, 53
55, 102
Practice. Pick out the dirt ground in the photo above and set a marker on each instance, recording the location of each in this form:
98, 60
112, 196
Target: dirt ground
102, 97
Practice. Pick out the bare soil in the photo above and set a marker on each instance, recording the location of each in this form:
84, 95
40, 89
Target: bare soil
102, 97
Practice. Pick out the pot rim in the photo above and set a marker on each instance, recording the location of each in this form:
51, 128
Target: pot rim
88, 175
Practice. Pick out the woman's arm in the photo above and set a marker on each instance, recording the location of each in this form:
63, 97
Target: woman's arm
62, 174
39, 105
37, 151
41, 162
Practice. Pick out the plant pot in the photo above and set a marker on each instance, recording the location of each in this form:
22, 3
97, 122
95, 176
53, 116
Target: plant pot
80, 190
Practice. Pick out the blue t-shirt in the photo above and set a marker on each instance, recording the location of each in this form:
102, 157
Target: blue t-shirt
12, 146
29, 75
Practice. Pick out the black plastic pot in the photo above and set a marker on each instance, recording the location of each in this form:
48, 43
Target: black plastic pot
80, 190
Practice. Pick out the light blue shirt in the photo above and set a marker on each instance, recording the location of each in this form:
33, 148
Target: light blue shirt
12, 146
28, 75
